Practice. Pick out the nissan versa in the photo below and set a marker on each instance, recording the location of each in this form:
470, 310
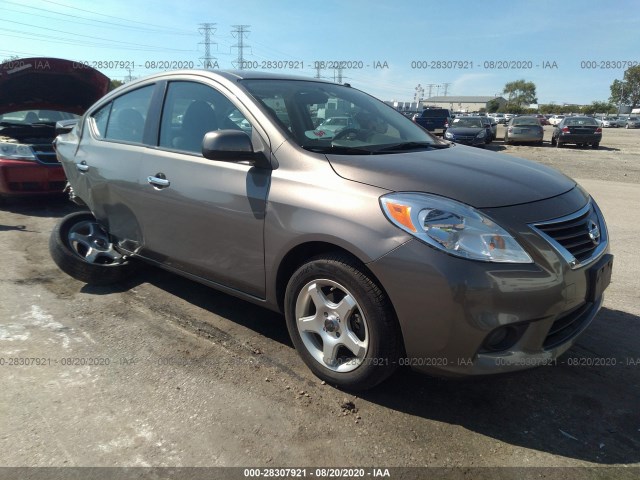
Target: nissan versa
382, 245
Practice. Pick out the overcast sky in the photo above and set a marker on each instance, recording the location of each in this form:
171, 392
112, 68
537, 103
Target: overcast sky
480, 45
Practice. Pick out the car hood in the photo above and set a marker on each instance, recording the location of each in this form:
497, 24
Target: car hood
478, 178
49, 84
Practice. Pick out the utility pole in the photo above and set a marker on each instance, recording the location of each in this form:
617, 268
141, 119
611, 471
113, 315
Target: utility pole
239, 33
207, 30
318, 69
621, 95
418, 96
338, 72
430, 87
446, 88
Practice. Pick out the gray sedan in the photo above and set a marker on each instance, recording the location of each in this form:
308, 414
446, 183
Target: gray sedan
524, 130
382, 245
632, 122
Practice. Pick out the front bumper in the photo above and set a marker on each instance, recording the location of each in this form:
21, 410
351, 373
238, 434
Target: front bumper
449, 307
26, 178
470, 141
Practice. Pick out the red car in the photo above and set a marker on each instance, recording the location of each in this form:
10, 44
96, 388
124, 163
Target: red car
35, 93
542, 119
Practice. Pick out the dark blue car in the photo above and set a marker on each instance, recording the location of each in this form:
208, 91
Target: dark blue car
468, 131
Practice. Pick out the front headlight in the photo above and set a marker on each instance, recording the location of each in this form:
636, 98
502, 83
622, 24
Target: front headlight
448, 135
482, 134
453, 227
16, 151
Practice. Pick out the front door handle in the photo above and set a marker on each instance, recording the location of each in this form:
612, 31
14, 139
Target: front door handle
82, 166
159, 180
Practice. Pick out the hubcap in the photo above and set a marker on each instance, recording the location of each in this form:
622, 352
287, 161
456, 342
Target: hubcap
331, 325
90, 242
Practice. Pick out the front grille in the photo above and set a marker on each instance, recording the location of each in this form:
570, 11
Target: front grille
45, 154
568, 326
579, 234
460, 138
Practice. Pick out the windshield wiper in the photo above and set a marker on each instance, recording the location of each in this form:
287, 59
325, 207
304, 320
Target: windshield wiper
412, 146
339, 149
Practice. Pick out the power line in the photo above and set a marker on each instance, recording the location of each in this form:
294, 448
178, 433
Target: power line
107, 24
92, 37
207, 30
239, 33
108, 16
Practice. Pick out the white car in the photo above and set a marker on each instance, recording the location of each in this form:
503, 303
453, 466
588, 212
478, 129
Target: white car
610, 122
556, 119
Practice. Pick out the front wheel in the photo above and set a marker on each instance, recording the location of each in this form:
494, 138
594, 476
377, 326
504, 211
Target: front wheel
342, 323
82, 248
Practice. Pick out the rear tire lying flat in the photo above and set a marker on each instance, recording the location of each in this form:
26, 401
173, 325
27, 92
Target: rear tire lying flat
82, 249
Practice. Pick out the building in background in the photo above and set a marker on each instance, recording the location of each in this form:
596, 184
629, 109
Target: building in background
463, 103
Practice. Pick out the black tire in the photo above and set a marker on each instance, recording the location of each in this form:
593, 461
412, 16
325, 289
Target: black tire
540, 143
595, 146
506, 140
107, 266
558, 144
370, 321
553, 141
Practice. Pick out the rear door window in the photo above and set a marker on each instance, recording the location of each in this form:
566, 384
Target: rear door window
128, 115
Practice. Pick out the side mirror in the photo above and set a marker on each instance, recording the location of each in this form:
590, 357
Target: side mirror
231, 146
65, 126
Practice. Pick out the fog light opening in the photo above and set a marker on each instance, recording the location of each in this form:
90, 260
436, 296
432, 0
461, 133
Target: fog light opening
501, 339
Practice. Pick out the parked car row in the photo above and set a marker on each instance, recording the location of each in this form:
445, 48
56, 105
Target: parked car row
479, 131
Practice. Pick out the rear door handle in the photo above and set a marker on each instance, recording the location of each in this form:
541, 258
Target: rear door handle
82, 166
159, 180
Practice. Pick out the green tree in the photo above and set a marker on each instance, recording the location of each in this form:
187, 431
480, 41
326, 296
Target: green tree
598, 107
10, 59
113, 84
493, 106
627, 90
520, 92
514, 108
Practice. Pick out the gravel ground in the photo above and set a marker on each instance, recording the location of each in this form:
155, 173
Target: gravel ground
617, 159
192, 377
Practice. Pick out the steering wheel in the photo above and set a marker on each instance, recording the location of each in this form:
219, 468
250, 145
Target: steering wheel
352, 133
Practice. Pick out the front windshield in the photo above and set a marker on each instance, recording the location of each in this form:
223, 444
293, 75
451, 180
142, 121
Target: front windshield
467, 122
365, 125
31, 117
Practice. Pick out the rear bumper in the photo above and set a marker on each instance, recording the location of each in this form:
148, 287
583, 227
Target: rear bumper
572, 138
24, 178
518, 137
